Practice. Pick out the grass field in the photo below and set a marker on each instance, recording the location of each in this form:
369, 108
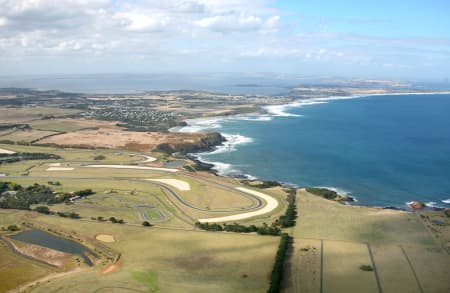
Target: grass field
27, 114
68, 125
405, 255
159, 260
331, 240
170, 257
16, 270
208, 192
128, 201
389, 259
27, 135
432, 267
438, 223
304, 267
341, 272
324, 219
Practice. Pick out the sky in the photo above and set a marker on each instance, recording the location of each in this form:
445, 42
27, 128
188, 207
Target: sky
346, 38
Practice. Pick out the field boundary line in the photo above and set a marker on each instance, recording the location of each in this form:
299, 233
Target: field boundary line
377, 278
321, 265
412, 269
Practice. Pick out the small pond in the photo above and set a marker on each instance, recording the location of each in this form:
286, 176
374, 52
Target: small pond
42, 238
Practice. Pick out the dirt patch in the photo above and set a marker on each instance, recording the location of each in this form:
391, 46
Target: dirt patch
115, 267
47, 255
105, 238
116, 137
194, 262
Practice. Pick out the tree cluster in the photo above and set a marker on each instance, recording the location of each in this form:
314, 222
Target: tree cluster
116, 221
289, 217
16, 157
14, 196
235, 227
263, 184
71, 215
323, 192
277, 272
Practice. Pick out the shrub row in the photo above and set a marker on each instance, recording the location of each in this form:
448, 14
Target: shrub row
277, 272
261, 230
289, 217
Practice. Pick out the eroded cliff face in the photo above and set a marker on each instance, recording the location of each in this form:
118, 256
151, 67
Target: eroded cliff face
206, 142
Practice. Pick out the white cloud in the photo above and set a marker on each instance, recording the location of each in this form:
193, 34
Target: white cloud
134, 20
190, 33
230, 23
3, 21
189, 7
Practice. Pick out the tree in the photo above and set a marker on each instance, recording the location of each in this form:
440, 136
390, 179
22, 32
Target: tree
42, 210
73, 215
146, 224
13, 228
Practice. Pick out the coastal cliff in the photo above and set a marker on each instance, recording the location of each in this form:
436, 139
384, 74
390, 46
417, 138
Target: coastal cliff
203, 144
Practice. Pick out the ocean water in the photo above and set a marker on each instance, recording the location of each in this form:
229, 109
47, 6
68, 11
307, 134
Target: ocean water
384, 150
137, 83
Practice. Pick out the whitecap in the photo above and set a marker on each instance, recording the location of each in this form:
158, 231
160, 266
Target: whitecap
447, 201
253, 118
432, 204
232, 140
280, 110
198, 125
338, 190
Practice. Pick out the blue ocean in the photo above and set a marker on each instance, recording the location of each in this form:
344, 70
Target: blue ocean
383, 150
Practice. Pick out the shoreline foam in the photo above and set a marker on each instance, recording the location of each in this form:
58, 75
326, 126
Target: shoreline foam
225, 169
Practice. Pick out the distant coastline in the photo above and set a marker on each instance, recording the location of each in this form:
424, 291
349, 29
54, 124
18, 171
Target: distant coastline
271, 112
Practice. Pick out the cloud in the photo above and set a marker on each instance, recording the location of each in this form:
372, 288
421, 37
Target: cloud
3, 21
194, 35
138, 21
189, 7
230, 23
